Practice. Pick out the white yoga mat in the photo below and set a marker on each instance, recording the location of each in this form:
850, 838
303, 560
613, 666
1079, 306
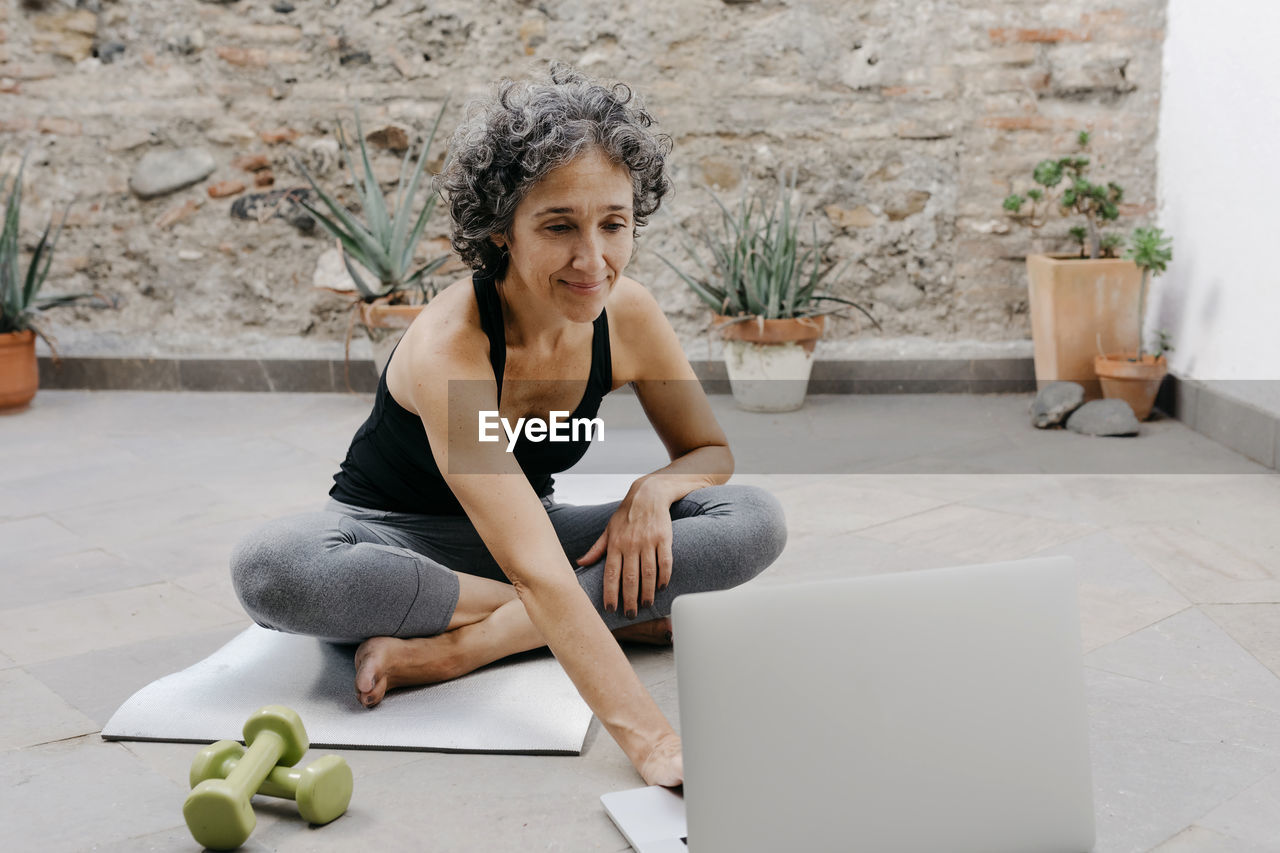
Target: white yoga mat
527, 705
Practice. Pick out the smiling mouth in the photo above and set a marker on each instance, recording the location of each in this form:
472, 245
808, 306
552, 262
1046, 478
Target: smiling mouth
589, 285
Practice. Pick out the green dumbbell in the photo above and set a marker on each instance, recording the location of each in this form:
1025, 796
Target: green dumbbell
217, 811
322, 788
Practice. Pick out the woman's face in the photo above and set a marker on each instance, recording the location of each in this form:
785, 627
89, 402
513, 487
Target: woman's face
572, 235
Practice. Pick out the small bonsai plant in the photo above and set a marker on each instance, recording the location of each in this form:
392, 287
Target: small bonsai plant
1150, 250
1097, 203
758, 268
20, 300
384, 245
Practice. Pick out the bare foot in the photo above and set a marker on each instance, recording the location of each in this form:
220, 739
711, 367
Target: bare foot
655, 632
384, 663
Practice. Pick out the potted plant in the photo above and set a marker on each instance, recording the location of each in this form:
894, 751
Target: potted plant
1129, 376
20, 300
761, 286
383, 247
1077, 298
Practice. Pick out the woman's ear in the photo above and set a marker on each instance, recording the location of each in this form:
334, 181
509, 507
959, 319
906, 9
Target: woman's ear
498, 240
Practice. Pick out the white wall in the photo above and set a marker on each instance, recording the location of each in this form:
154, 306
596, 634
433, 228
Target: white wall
1219, 191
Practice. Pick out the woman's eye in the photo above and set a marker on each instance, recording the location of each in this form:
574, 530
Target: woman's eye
615, 226
558, 229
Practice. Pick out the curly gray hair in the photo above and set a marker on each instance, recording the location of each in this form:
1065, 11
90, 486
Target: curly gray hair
509, 142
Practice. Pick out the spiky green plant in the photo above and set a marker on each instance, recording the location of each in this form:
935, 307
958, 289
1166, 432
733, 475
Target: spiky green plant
1151, 250
20, 300
384, 244
759, 269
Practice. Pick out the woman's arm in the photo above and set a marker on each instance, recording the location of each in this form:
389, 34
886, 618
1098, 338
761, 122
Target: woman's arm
636, 544
513, 524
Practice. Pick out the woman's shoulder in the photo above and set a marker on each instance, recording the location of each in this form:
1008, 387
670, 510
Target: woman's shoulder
445, 339
638, 328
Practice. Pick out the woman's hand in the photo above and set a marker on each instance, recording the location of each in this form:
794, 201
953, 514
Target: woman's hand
637, 545
664, 765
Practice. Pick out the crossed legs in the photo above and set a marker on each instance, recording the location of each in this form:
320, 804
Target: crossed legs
383, 580
489, 623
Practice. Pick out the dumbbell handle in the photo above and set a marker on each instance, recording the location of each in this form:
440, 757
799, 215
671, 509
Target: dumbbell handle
256, 764
281, 782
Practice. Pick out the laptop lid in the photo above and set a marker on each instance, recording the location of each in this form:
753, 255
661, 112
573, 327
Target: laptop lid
930, 710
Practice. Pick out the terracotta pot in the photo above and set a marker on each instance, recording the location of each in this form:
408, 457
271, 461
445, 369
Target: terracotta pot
19, 374
802, 330
1078, 308
769, 361
386, 315
1135, 382
385, 322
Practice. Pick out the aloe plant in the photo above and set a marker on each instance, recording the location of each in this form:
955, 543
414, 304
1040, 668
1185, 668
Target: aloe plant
20, 300
759, 269
1151, 250
384, 244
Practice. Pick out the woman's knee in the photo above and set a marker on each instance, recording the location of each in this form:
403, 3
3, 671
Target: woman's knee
270, 566
757, 533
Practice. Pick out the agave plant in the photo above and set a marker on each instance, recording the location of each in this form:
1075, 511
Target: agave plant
20, 300
384, 244
758, 269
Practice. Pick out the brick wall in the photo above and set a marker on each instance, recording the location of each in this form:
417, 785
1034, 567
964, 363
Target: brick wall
908, 122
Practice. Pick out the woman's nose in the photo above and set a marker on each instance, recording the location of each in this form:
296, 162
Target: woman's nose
589, 254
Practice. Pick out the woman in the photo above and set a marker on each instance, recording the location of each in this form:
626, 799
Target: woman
441, 553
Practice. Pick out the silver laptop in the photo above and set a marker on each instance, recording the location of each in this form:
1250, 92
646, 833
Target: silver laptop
931, 711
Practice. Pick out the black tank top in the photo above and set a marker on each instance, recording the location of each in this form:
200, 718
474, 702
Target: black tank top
389, 465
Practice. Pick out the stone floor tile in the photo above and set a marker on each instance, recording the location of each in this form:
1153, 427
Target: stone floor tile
99, 681
947, 488
1198, 839
815, 557
47, 632
1252, 817
837, 505
176, 837
1256, 627
972, 535
1164, 757
1040, 496
214, 586
1235, 509
916, 455
178, 553
38, 580
49, 455
548, 803
149, 515
1188, 651
34, 714
72, 795
28, 539
43, 493
275, 491
1119, 594
220, 456
1206, 570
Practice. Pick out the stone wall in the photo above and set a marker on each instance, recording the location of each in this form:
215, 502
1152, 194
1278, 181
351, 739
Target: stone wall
908, 122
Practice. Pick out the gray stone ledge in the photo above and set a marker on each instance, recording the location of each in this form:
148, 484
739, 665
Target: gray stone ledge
1228, 412
1217, 410
890, 376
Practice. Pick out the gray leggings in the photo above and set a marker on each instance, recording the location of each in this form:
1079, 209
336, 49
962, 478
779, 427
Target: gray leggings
349, 573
